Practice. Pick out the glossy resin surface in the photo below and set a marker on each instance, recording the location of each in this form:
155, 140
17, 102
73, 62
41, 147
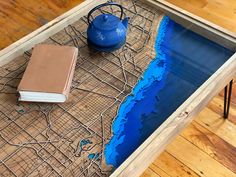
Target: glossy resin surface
184, 61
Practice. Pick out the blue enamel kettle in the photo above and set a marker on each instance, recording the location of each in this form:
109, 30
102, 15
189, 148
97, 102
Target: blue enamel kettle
107, 32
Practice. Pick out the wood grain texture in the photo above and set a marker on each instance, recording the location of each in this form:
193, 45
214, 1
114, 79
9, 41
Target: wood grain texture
172, 166
158, 171
222, 13
211, 144
20, 17
197, 160
150, 173
215, 123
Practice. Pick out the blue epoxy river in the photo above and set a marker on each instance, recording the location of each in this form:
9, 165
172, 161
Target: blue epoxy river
184, 60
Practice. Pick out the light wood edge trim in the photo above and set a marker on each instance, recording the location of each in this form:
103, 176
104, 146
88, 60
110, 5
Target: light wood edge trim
197, 24
156, 143
19, 47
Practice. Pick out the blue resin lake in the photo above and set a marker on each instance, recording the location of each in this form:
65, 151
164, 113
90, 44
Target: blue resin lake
184, 61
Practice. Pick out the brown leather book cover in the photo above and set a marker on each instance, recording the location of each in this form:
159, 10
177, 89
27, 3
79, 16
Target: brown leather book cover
50, 69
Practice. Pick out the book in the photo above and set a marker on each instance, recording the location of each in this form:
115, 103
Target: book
49, 74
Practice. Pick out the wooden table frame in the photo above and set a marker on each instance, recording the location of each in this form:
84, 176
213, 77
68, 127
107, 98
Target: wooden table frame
163, 135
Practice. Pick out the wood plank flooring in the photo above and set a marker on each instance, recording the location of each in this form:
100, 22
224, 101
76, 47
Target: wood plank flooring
205, 148
220, 12
20, 17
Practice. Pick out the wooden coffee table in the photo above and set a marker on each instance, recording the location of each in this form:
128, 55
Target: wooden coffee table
62, 123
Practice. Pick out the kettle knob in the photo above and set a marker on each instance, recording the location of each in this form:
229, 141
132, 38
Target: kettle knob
105, 18
102, 5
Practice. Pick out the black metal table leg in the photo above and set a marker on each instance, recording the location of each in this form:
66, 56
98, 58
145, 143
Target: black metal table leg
227, 99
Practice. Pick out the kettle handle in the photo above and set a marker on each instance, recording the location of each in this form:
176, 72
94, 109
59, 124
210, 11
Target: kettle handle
105, 4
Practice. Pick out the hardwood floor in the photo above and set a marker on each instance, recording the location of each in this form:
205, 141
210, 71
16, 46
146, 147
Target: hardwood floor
20, 17
220, 12
205, 148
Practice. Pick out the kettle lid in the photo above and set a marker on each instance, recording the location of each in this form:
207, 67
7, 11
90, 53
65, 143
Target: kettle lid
106, 22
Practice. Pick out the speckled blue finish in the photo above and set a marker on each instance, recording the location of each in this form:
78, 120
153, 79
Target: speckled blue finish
107, 32
106, 37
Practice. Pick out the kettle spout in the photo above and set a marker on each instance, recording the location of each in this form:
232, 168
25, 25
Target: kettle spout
126, 22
